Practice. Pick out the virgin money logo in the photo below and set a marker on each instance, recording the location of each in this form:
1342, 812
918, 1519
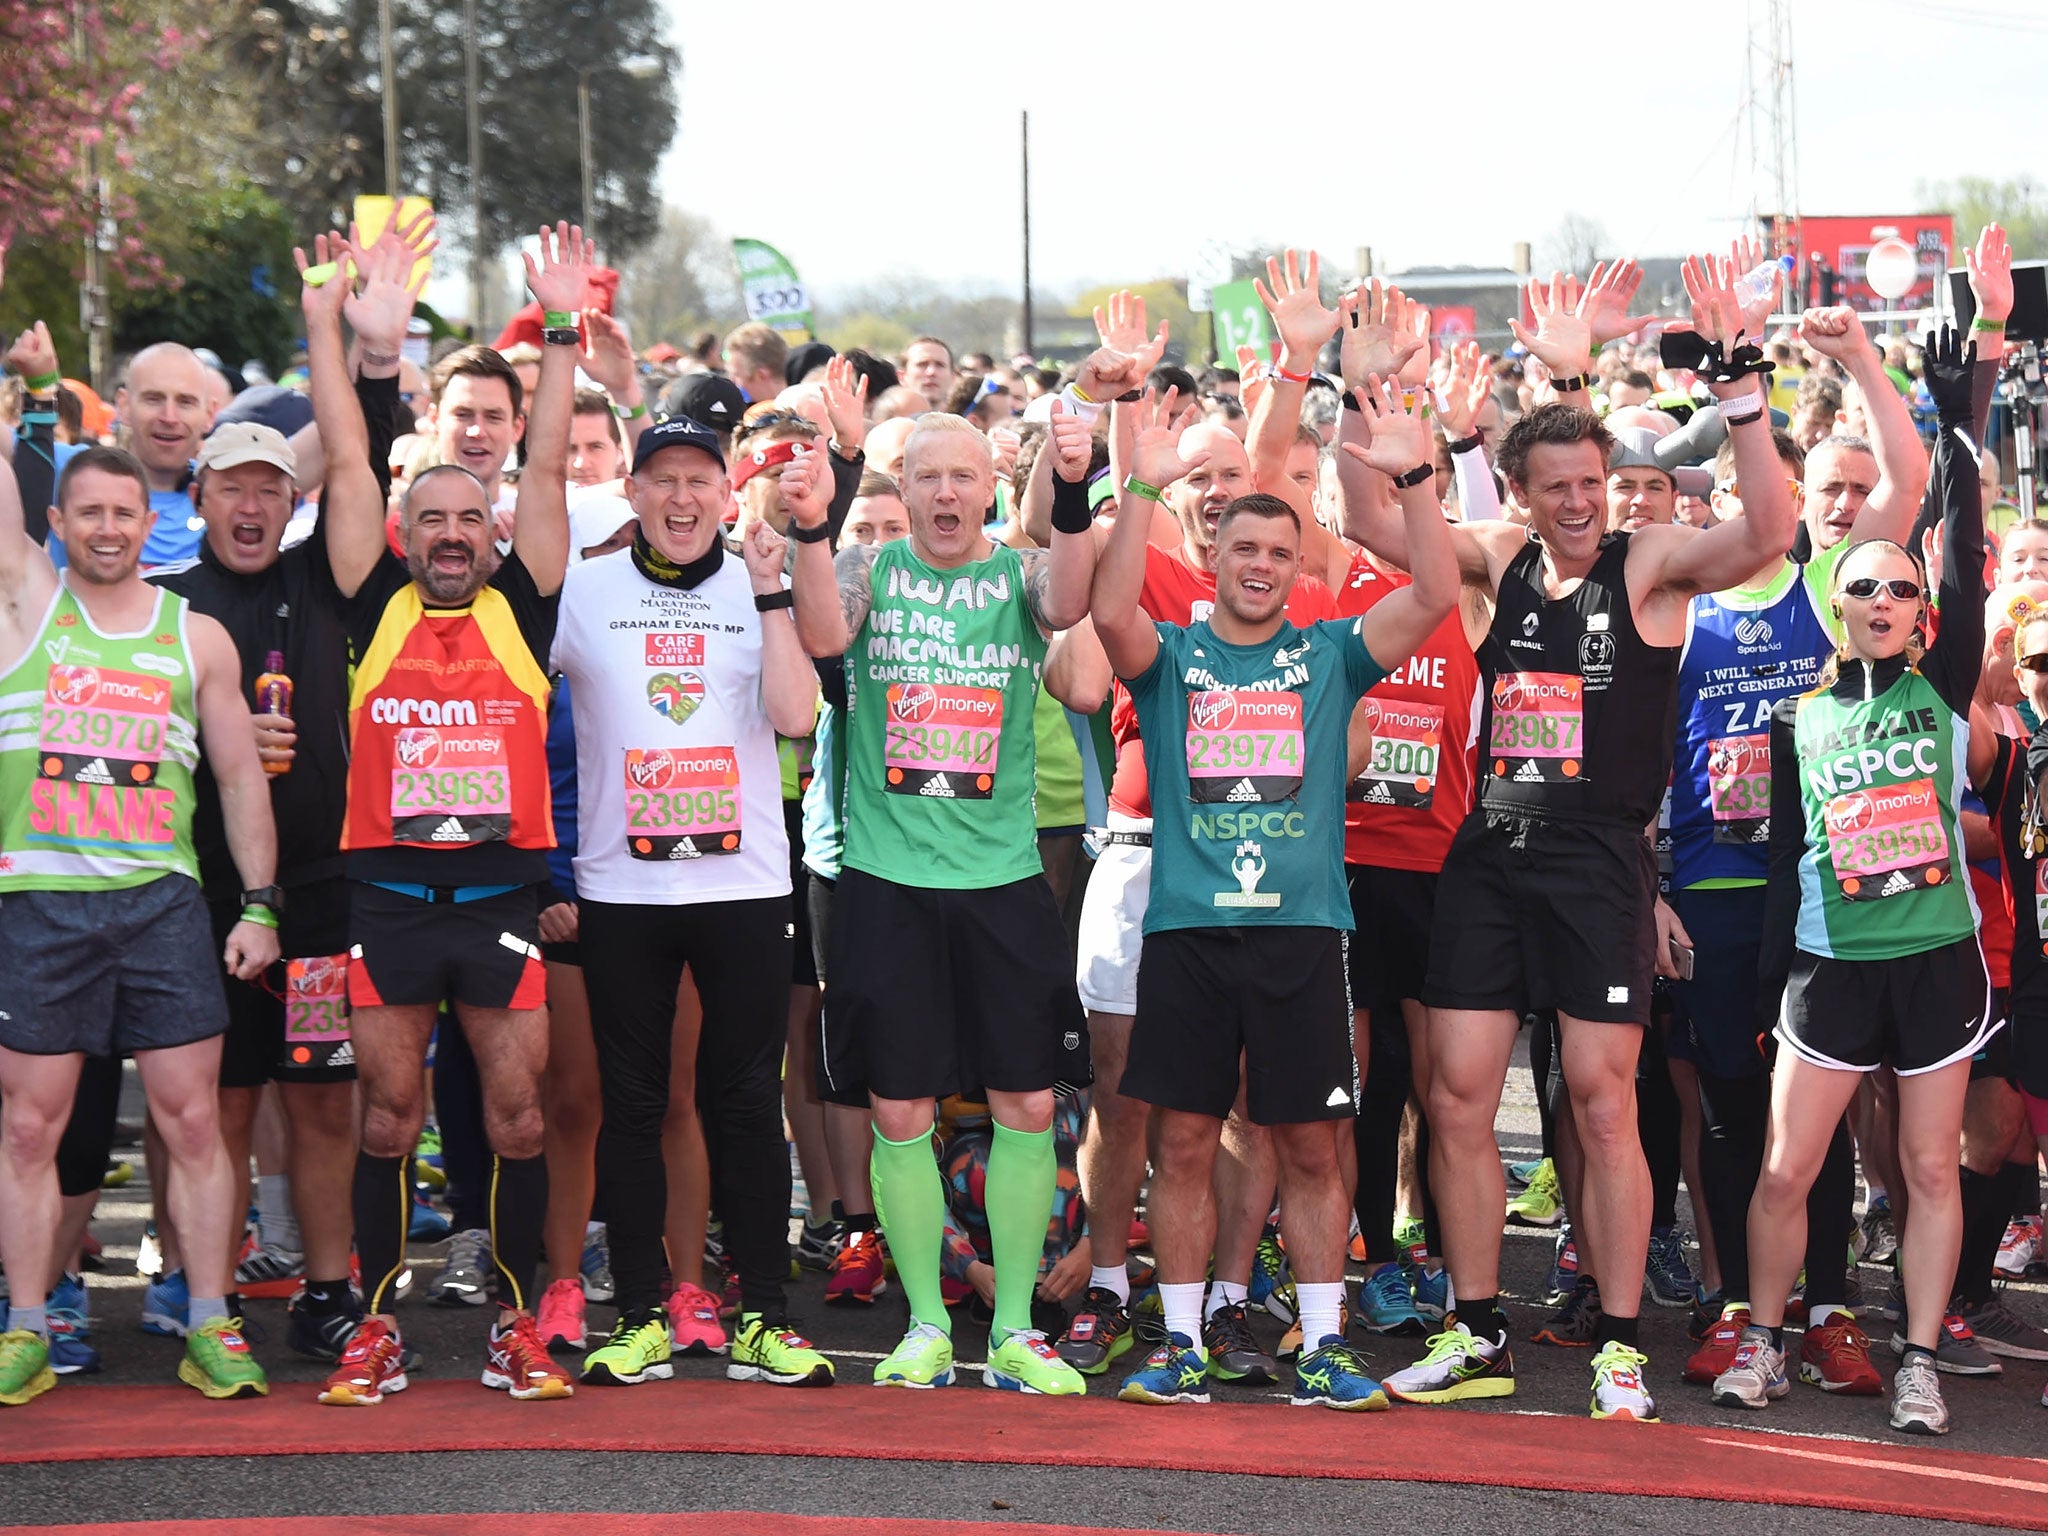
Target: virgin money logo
418, 747
74, 685
1372, 715
915, 702
1212, 711
1507, 693
652, 770
1851, 813
1733, 758
317, 973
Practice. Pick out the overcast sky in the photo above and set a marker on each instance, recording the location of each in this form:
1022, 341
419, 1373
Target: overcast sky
865, 140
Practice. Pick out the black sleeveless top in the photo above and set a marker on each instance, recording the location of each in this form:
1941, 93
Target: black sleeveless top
1581, 714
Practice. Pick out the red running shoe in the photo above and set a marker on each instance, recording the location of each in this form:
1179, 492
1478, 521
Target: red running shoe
1717, 1350
1836, 1358
372, 1364
519, 1362
857, 1270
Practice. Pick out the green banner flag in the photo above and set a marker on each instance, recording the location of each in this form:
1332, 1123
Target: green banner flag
773, 291
1241, 321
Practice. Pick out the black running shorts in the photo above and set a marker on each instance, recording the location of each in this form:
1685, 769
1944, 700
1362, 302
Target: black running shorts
1391, 914
409, 952
1279, 998
1535, 914
1916, 1013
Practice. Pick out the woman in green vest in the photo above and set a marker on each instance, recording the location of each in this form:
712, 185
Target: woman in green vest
1870, 922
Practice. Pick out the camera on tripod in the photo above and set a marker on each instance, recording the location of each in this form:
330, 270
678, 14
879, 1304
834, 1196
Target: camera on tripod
2020, 377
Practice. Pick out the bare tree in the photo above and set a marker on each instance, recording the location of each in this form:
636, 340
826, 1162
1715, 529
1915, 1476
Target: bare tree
679, 282
1573, 245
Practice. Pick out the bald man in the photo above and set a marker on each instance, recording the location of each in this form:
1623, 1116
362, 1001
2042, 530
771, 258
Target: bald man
164, 412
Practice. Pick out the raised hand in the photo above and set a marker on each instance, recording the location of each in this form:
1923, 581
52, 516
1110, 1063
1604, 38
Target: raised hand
379, 312
33, 355
1604, 304
763, 549
1120, 325
323, 300
846, 403
1251, 378
1836, 332
1072, 445
1155, 443
561, 278
1107, 372
1378, 331
609, 360
806, 487
1710, 285
1466, 389
1990, 269
1563, 338
1295, 301
1746, 255
1007, 445
1947, 366
1400, 435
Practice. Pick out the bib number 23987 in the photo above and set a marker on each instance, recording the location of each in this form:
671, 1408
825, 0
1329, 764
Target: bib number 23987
1538, 734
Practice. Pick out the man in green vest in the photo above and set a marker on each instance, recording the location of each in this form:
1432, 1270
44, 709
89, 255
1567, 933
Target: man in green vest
109, 689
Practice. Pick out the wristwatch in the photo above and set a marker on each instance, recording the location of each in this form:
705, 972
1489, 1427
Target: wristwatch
1415, 476
271, 896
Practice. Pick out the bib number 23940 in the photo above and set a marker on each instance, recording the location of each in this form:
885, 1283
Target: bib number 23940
943, 743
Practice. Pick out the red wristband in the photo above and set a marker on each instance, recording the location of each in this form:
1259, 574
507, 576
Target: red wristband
1292, 378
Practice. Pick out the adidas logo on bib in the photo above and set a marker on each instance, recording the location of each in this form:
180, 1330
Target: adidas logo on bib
344, 1055
1378, 795
1898, 883
1528, 773
938, 786
1242, 791
684, 849
95, 772
450, 831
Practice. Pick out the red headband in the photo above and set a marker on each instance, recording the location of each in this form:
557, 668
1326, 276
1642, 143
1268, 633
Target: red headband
764, 458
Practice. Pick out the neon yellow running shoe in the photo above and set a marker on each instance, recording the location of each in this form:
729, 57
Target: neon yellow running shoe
1541, 1202
24, 1367
638, 1350
761, 1352
217, 1361
1025, 1362
923, 1359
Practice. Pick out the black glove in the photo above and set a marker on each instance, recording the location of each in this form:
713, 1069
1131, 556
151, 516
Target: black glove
1947, 366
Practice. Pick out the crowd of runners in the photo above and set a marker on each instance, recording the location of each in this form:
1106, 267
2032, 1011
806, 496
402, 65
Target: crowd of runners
1107, 827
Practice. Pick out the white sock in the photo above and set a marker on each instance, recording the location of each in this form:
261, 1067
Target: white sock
279, 1224
1223, 1294
1321, 1303
1821, 1316
1116, 1278
1183, 1305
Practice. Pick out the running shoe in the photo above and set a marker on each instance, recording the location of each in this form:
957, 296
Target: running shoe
595, 1266
166, 1304
1519, 1174
693, 1325
1666, 1276
818, 1245
765, 1352
923, 1360
149, 1257
1619, 1391
1173, 1373
426, 1225
69, 1296
218, 1363
71, 1348
24, 1367
517, 1361
1096, 1334
1894, 1306
1717, 1350
1412, 1238
1270, 1278
464, 1279
1027, 1362
2001, 1333
1148, 1317
1290, 1341
1432, 1293
117, 1175
1456, 1367
1835, 1356
1705, 1313
1140, 1235
372, 1364
1234, 1355
1574, 1323
1358, 1248
1283, 1302
324, 1335
1564, 1267
1958, 1352
1386, 1306
561, 1318
1756, 1376
729, 1293
1540, 1202
1333, 1375
1917, 1407
270, 1272
2020, 1246
857, 1269
427, 1178
1879, 1232
428, 1148
638, 1350
714, 1244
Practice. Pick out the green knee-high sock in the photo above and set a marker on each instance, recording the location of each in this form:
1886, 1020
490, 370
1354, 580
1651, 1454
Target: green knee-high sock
1023, 1170
910, 1203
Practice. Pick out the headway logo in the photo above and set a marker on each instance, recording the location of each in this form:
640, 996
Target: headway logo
1212, 711
915, 702
1753, 632
1850, 813
418, 747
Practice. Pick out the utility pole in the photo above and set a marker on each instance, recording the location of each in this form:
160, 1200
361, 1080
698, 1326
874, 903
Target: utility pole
390, 87
1772, 111
476, 170
1028, 347
93, 317
583, 145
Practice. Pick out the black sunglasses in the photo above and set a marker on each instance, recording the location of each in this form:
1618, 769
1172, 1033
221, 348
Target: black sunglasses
1864, 588
2035, 663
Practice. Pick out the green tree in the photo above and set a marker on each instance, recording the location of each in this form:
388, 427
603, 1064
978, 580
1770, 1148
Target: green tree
230, 251
2020, 204
1165, 299
680, 282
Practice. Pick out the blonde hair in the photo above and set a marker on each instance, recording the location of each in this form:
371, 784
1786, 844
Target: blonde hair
1831, 669
940, 421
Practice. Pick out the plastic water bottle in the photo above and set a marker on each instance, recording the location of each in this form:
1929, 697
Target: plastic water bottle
1754, 287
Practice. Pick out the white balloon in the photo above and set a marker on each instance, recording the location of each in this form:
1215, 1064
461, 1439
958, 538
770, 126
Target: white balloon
1891, 267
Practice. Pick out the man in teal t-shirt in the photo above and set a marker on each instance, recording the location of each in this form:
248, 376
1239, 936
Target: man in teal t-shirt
1243, 717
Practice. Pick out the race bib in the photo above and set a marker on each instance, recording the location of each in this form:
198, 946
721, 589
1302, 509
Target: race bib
1244, 746
1538, 734
1739, 786
450, 787
682, 802
2041, 902
942, 742
103, 727
1407, 745
1888, 841
316, 1011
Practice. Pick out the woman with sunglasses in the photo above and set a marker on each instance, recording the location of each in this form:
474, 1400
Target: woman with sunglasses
1869, 918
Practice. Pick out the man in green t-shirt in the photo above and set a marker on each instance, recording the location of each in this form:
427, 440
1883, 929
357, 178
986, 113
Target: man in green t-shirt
1243, 716
949, 964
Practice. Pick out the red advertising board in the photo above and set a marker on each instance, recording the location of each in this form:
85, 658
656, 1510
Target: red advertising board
1451, 324
1844, 242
